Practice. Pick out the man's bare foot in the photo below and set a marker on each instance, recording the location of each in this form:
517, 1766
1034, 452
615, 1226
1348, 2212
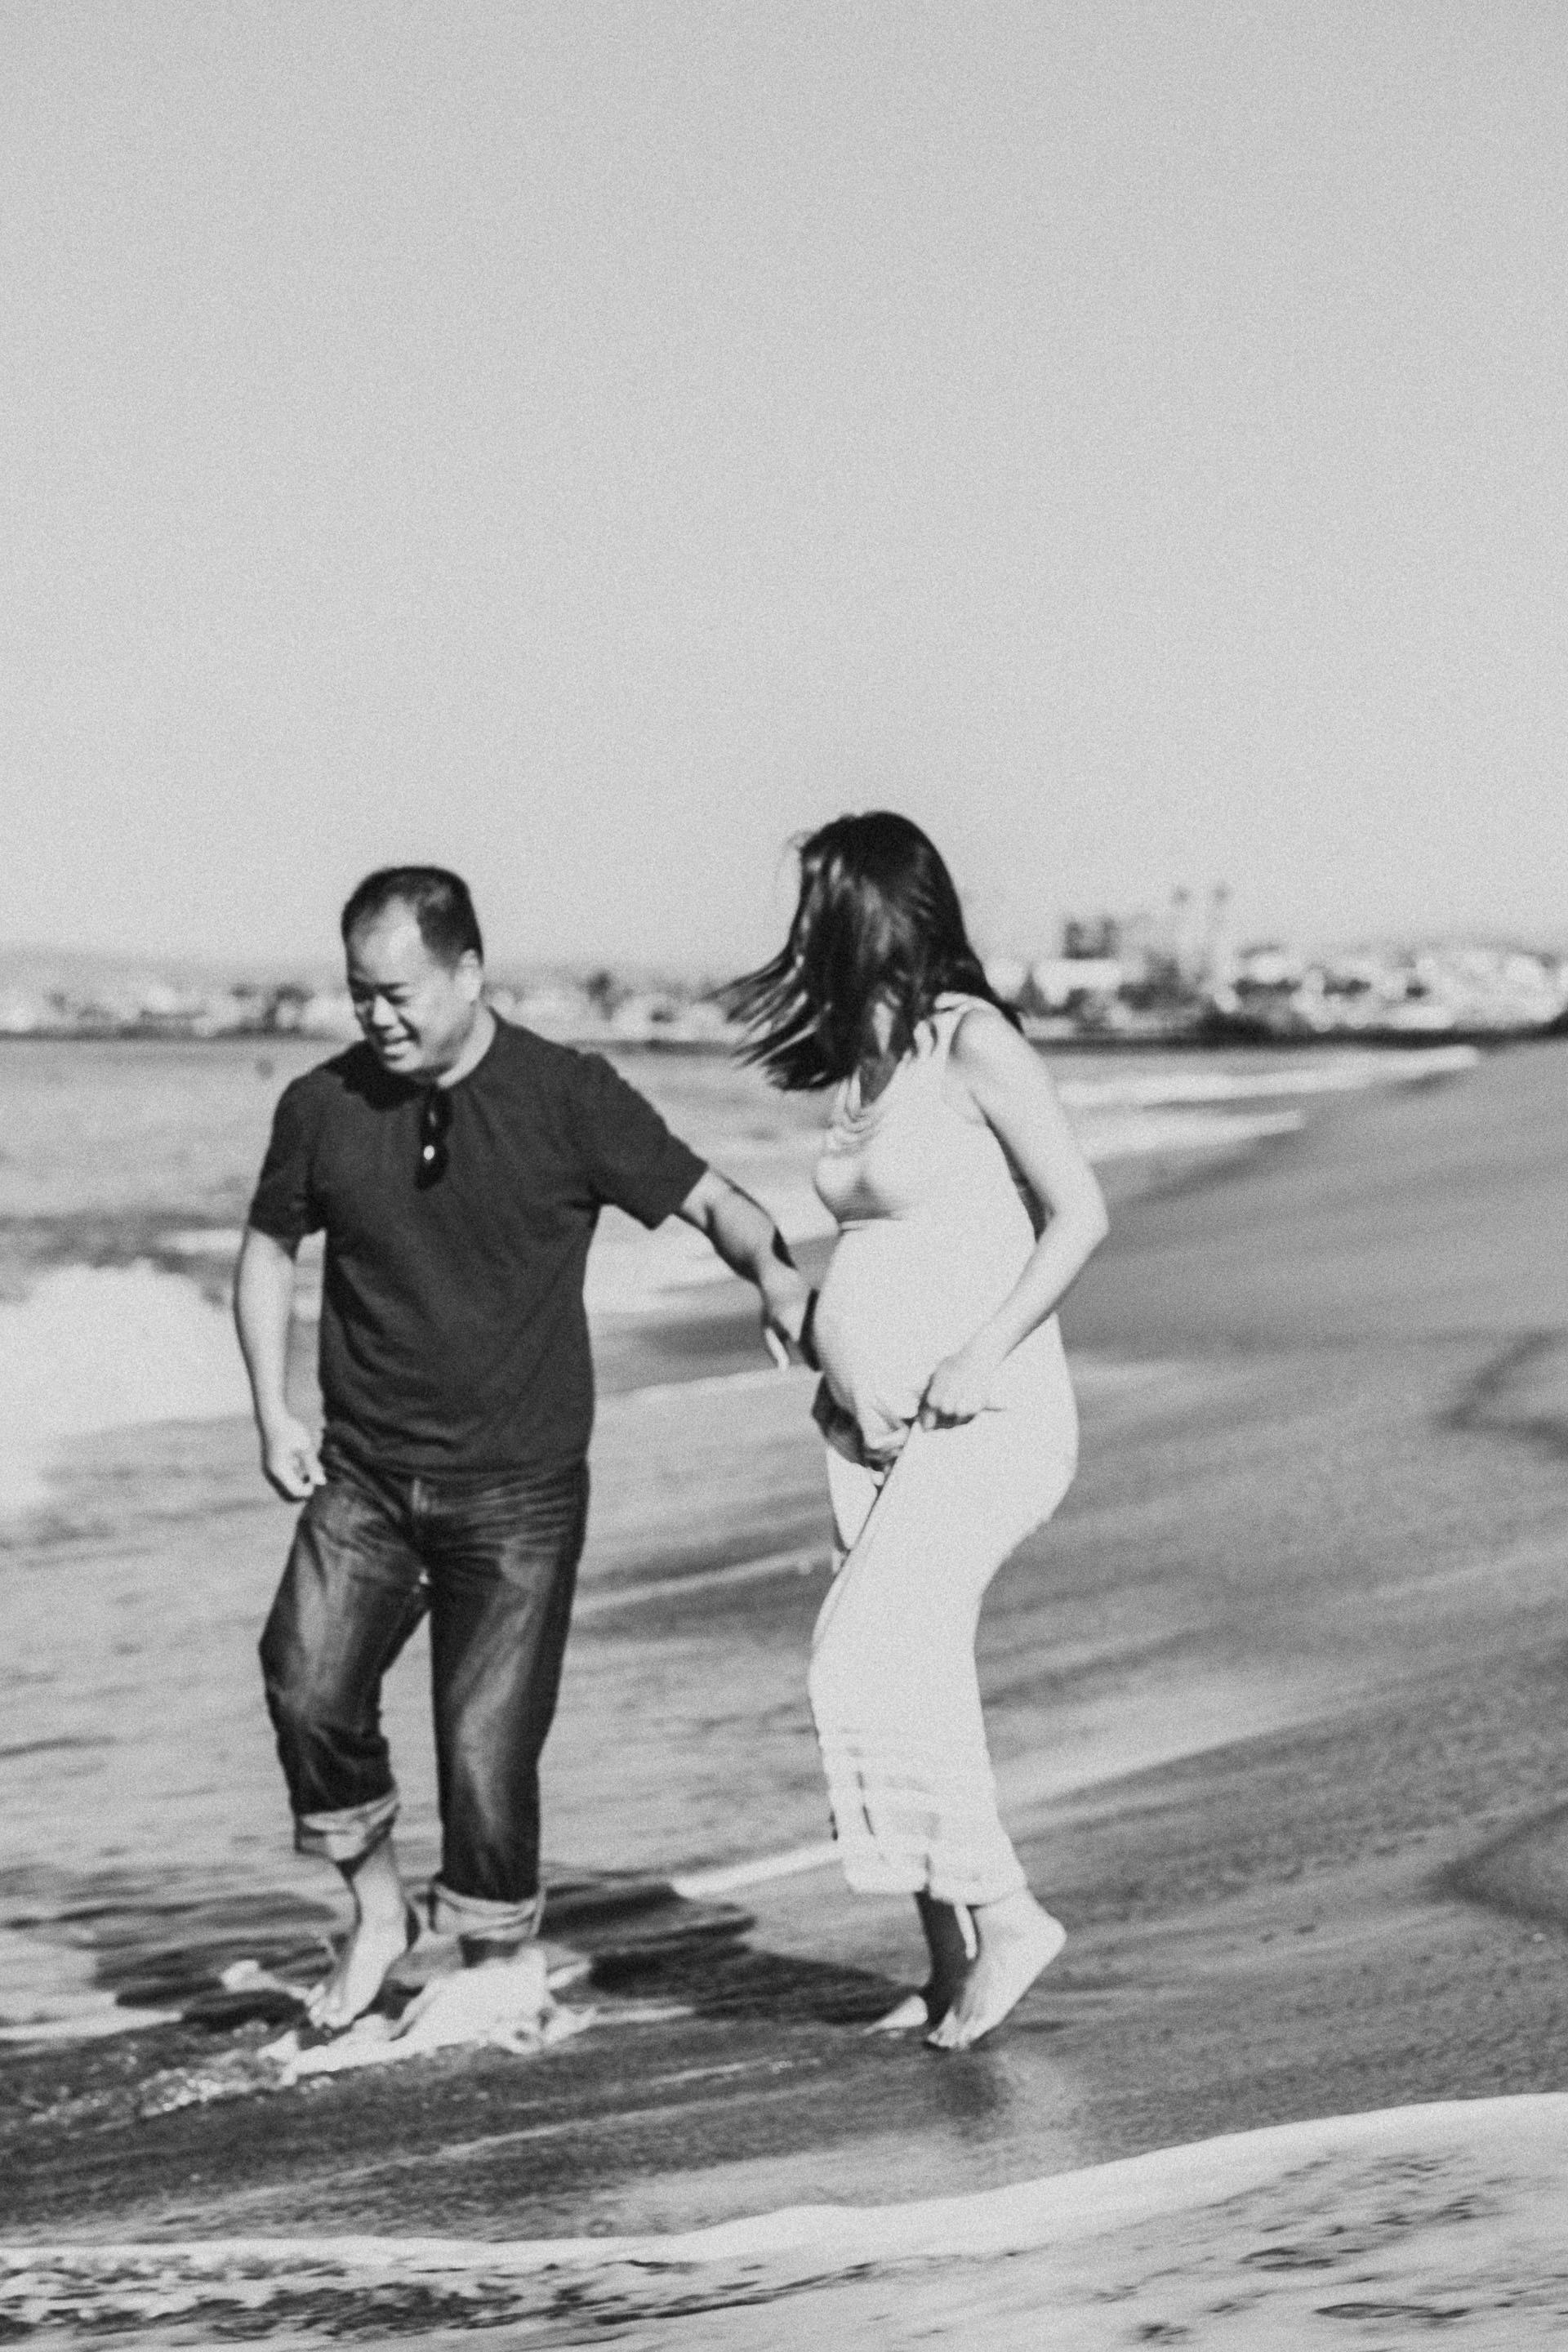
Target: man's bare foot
509, 1996
1017, 1938
943, 1926
374, 1949
384, 1928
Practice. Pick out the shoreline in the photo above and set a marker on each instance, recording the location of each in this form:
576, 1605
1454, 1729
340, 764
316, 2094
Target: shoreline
1316, 1533
1437, 2215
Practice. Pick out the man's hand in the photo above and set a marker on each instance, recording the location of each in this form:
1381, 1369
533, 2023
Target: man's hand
787, 1305
959, 1387
289, 1461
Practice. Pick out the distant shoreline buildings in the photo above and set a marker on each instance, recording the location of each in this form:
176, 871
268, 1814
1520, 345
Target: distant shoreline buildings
1170, 977
1181, 973
599, 1007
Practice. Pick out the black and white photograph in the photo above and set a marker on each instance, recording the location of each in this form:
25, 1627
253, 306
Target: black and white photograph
783, 1174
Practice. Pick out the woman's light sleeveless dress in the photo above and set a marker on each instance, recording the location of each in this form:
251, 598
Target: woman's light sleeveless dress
933, 1234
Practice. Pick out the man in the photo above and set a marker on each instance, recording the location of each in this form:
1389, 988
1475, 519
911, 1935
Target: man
457, 1164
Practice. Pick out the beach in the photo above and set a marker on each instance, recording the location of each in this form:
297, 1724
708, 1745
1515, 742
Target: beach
1275, 1703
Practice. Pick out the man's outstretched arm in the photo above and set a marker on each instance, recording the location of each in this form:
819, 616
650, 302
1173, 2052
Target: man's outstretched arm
751, 1245
263, 1303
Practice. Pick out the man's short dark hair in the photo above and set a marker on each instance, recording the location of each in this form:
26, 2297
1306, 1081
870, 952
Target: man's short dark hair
437, 900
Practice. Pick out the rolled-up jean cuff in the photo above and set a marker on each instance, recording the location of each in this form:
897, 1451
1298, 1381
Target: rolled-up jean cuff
349, 1835
478, 1921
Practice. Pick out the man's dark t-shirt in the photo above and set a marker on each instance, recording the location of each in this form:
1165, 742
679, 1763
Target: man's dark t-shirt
454, 1336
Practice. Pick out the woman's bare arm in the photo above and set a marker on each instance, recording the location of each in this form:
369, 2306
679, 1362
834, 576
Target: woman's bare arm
1009, 1086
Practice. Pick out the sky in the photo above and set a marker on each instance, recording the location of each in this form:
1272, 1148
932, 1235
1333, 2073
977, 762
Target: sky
589, 444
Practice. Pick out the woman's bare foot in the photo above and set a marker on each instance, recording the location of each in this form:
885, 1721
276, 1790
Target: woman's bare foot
906, 2016
1017, 1940
943, 1928
380, 1934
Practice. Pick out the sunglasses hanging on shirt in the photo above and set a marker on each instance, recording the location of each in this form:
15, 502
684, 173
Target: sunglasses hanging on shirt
435, 1120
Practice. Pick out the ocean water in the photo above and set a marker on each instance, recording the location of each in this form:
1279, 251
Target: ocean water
115, 1152
126, 1168
138, 1548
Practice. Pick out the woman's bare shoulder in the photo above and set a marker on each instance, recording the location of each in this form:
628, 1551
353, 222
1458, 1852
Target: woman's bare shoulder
984, 1039
994, 1069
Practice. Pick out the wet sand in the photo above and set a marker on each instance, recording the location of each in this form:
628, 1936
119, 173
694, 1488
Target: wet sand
1276, 1706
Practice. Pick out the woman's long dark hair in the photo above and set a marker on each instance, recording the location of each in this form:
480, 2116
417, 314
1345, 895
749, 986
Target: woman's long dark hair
878, 920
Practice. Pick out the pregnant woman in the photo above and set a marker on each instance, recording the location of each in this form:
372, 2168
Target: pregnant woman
965, 1209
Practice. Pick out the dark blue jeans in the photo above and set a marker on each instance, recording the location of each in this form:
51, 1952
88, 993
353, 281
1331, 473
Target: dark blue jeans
493, 1558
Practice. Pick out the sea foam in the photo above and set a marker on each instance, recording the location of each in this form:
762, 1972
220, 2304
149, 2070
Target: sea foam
103, 1348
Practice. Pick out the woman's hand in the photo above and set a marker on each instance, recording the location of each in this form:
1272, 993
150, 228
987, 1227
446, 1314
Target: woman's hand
959, 1387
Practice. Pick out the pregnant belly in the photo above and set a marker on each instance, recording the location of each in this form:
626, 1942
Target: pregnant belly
900, 1295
